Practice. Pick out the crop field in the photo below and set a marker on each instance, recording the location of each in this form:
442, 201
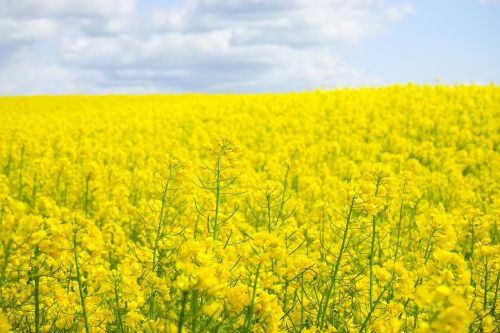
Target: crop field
352, 210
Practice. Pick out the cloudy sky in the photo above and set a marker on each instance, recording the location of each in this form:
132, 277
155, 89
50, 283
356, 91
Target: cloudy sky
168, 46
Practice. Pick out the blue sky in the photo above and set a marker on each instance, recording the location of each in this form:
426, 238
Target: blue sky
456, 40
154, 46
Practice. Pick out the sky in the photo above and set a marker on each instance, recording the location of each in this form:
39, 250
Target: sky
243, 46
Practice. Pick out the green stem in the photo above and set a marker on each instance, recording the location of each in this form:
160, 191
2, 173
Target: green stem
283, 195
80, 288
372, 247
427, 254
118, 311
248, 324
33, 193
183, 312
161, 219
37, 293
372, 250
21, 166
86, 197
217, 195
399, 223
194, 308
333, 282
7, 253
375, 303
268, 199
485, 295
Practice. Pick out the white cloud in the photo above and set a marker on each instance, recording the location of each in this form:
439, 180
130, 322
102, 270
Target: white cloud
50, 8
201, 45
396, 13
24, 74
290, 21
29, 30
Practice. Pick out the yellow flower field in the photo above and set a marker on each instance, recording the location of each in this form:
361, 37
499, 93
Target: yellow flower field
354, 210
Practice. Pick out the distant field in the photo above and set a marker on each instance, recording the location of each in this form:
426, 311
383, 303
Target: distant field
353, 210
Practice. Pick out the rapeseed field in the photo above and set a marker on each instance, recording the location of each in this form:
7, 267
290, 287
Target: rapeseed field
353, 210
